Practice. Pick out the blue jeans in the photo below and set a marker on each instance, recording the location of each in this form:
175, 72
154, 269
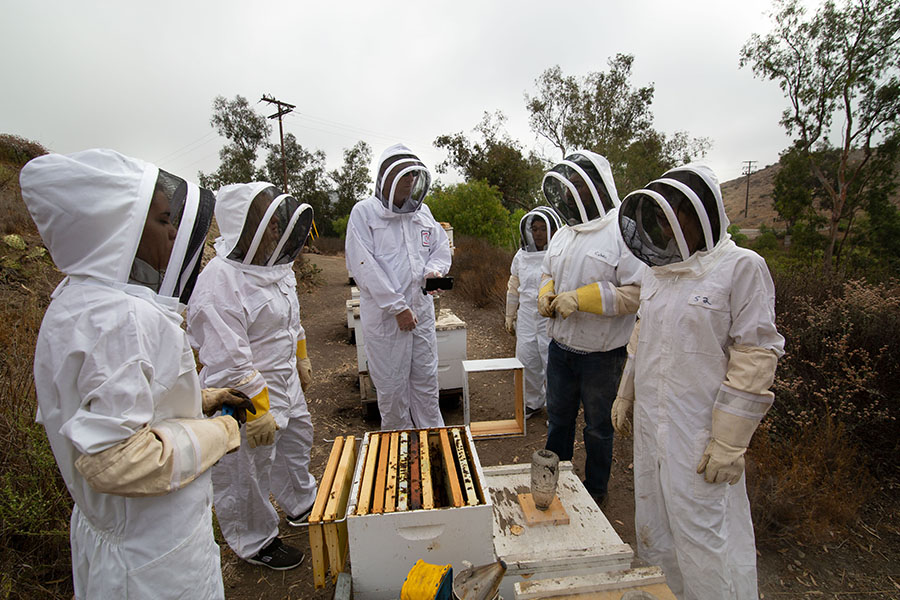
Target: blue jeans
589, 380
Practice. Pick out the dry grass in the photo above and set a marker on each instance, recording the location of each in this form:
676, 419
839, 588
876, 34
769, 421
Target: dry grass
481, 272
809, 488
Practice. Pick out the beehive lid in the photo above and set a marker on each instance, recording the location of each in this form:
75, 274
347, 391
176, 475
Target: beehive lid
588, 541
447, 321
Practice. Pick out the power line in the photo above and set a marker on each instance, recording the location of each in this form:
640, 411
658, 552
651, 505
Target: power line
202, 140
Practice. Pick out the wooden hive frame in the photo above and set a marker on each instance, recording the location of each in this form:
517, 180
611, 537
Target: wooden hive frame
503, 427
318, 549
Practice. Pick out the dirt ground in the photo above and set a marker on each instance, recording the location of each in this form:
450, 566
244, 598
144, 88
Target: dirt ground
863, 564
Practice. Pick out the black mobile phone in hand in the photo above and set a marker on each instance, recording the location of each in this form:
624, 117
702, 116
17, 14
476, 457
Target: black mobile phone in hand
437, 283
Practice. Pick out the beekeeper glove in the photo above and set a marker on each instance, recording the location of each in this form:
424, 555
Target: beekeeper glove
214, 398
161, 458
545, 296
742, 401
601, 298
261, 426
304, 367
512, 304
624, 401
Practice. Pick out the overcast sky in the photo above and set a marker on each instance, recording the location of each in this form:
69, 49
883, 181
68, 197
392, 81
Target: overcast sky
140, 77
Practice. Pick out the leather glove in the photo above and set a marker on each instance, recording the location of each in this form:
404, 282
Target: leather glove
304, 367
261, 431
545, 298
213, 399
621, 410
510, 324
565, 303
722, 462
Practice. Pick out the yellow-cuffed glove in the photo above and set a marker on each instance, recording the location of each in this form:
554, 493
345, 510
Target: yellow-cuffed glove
304, 367
512, 304
565, 303
546, 295
261, 427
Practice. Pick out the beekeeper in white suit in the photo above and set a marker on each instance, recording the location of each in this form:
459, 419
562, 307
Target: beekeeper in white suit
589, 289
703, 359
394, 244
522, 319
116, 382
244, 320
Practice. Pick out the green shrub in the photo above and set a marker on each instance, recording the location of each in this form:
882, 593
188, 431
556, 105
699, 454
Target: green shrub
739, 238
474, 209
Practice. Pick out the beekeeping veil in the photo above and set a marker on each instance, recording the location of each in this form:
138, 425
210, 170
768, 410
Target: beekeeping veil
91, 209
402, 180
260, 225
542, 213
581, 187
675, 216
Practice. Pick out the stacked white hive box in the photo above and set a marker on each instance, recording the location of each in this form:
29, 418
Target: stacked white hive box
588, 544
389, 529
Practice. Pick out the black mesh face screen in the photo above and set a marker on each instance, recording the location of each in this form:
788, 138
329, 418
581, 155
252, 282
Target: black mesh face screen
255, 214
706, 195
647, 230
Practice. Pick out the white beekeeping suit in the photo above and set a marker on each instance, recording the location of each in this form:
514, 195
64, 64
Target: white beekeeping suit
115, 376
522, 318
244, 320
393, 244
704, 357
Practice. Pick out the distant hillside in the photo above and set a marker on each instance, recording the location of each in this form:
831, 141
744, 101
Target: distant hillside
762, 182
760, 211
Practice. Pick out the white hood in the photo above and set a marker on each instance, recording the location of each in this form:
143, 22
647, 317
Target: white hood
409, 165
90, 208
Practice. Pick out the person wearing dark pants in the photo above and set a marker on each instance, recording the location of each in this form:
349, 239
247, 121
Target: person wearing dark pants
588, 380
590, 289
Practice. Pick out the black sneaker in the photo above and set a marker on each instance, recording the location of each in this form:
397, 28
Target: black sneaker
530, 412
299, 520
278, 556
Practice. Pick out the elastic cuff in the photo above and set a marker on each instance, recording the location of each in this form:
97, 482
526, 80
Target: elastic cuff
590, 299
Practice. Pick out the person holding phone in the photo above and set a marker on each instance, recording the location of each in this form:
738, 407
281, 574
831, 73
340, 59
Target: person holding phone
393, 245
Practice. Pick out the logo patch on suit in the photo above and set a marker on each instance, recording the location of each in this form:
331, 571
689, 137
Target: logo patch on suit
426, 238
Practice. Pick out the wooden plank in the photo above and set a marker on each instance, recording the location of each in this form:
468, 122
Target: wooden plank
331, 466
462, 459
336, 533
491, 364
381, 479
319, 553
317, 546
415, 474
425, 460
505, 427
390, 492
520, 399
403, 473
554, 515
448, 456
365, 492
597, 586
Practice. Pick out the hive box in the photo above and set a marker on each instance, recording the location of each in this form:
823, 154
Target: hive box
587, 544
451, 342
384, 547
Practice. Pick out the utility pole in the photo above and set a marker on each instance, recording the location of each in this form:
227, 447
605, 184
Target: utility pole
283, 109
748, 168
